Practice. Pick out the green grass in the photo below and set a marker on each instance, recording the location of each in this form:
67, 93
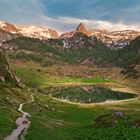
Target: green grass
56, 120
53, 120
32, 74
10, 98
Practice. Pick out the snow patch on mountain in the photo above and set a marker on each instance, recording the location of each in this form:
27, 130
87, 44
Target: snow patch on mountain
2, 24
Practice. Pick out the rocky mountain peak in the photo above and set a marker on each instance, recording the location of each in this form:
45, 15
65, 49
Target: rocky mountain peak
81, 28
28, 31
5, 26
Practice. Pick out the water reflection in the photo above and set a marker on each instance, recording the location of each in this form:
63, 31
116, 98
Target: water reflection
87, 94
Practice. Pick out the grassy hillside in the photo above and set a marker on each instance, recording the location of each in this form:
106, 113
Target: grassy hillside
10, 98
53, 119
36, 76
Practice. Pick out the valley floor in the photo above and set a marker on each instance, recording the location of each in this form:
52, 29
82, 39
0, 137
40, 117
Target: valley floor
53, 119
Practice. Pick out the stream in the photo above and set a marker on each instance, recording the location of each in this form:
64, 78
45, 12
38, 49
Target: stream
22, 123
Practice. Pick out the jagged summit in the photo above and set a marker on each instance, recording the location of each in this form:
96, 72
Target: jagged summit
115, 39
81, 28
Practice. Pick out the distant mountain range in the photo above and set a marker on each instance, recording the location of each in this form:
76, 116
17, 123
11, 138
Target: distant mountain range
82, 46
115, 40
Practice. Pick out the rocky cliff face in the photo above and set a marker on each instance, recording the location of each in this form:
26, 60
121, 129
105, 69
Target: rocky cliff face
80, 40
6, 72
4, 36
81, 28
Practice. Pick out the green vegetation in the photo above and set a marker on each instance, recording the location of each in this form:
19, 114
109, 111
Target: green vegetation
10, 98
52, 119
34, 75
49, 53
100, 54
5, 69
38, 50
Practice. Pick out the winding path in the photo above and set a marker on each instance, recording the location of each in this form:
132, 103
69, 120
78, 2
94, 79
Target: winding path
22, 123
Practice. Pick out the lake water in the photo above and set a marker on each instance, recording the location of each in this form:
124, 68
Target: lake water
87, 94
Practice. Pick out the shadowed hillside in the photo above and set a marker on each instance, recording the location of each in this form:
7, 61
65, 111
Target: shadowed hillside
6, 72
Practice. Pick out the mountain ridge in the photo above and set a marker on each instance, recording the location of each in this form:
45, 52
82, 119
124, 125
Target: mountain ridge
28, 31
114, 39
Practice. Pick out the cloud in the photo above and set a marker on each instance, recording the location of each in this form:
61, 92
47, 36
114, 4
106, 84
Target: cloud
111, 10
20, 11
70, 23
32, 12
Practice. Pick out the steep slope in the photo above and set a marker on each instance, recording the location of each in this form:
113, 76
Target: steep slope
4, 36
6, 72
80, 40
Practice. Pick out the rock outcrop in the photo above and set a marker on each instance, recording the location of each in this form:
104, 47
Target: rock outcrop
81, 28
6, 72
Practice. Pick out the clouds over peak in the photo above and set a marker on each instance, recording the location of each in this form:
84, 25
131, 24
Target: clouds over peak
65, 15
69, 23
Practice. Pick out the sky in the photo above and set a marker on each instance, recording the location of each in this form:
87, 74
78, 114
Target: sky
65, 15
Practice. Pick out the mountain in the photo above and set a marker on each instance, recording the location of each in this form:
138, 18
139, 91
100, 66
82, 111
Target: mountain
81, 28
80, 40
29, 31
114, 40
37, 32
82, 46
79, 49
75, 46
7, 27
